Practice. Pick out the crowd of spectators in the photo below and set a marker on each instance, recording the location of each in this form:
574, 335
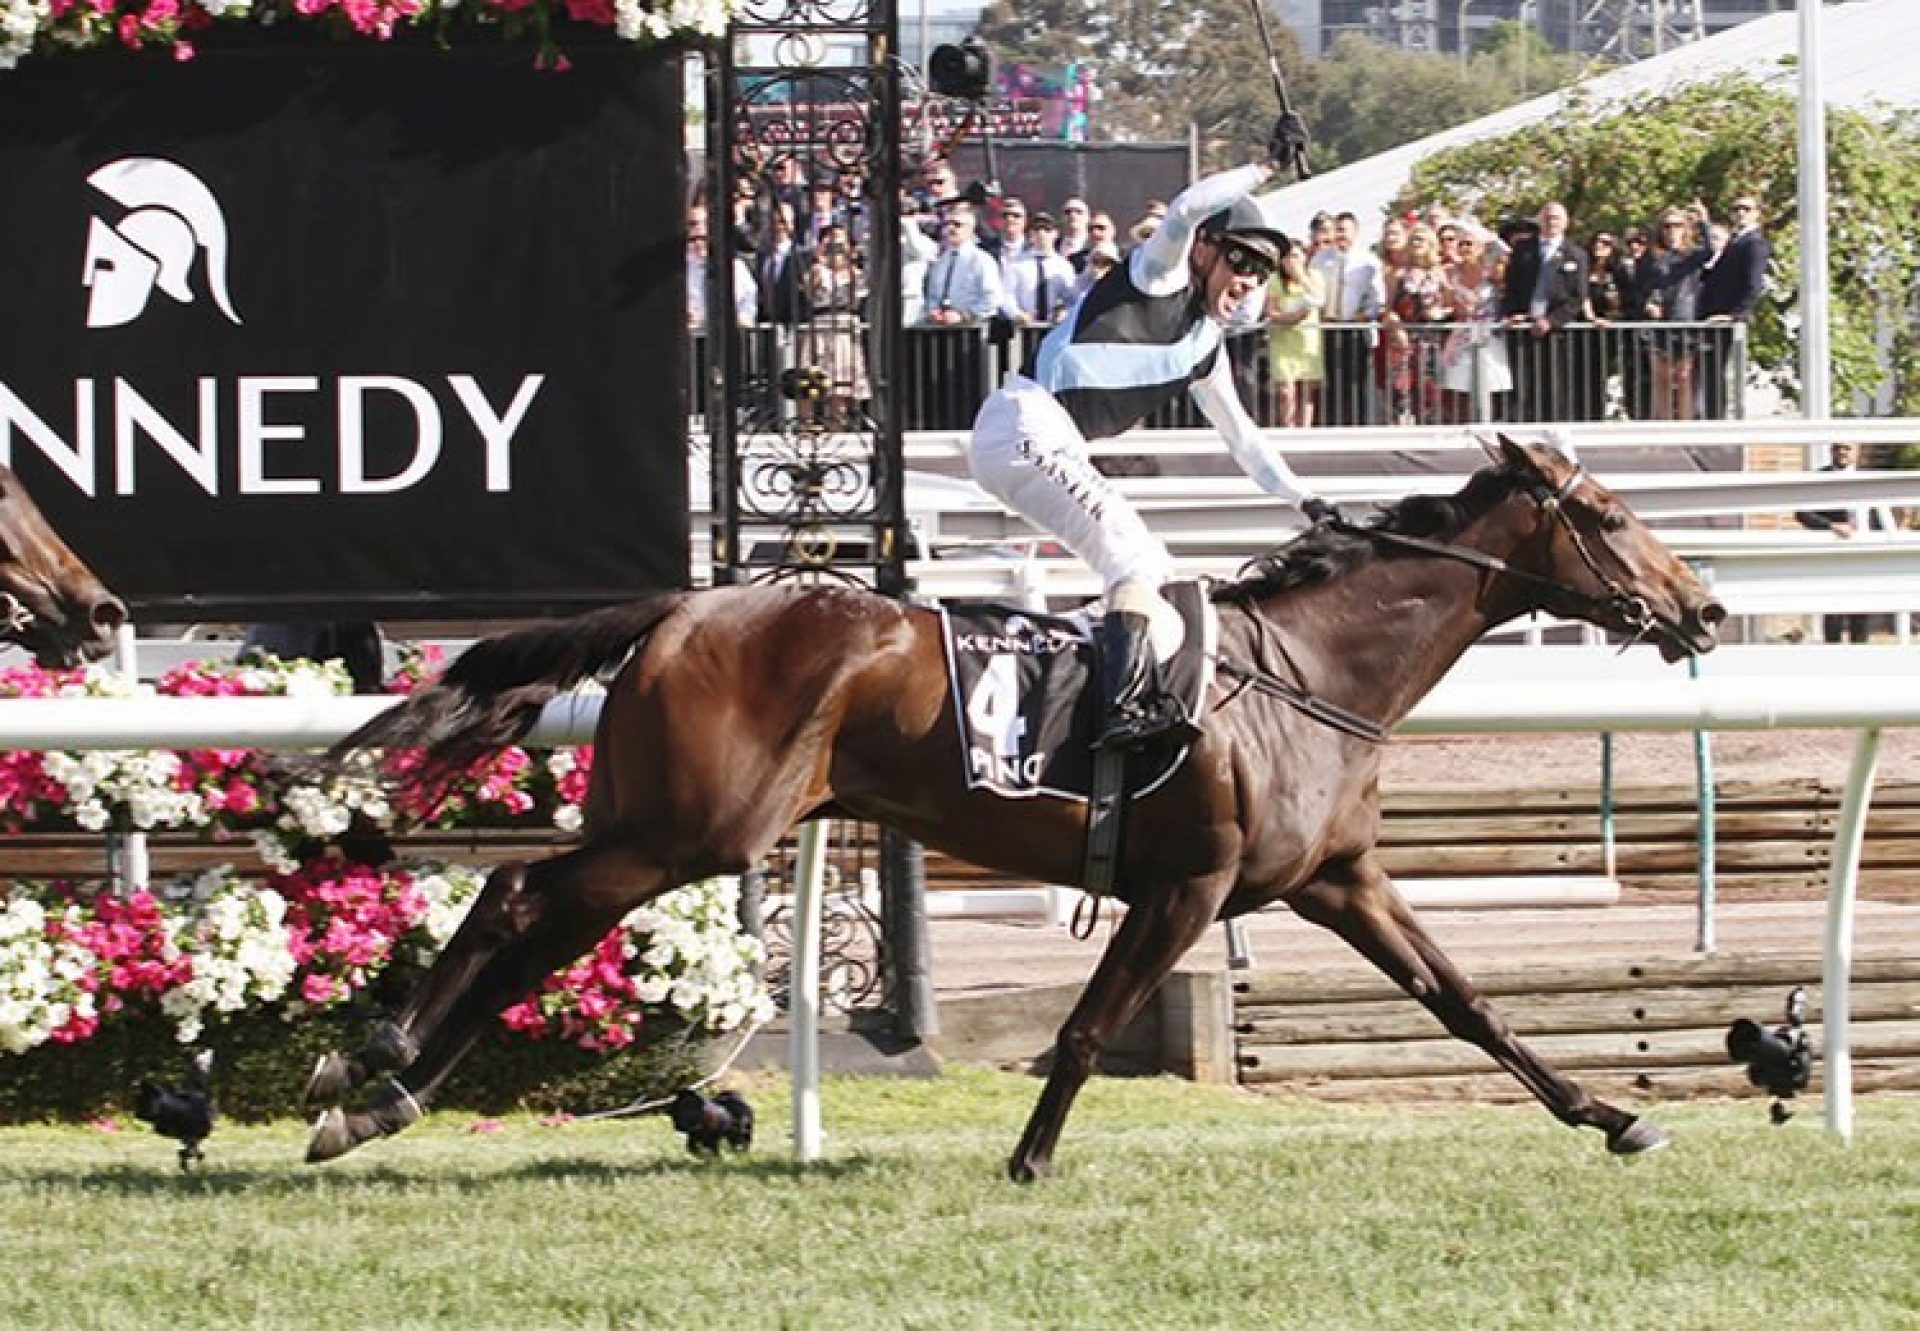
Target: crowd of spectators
1450, 320
1447, 320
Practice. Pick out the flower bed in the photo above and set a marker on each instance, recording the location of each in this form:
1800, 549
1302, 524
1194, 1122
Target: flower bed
30, 27
321, 940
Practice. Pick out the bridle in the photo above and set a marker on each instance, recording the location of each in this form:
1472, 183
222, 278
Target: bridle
1614, 602
1626, 608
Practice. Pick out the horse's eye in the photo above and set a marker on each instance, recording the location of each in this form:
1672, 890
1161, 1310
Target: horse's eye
1613, 519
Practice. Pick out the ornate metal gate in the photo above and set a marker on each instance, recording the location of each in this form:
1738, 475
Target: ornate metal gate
804, 165
802, 401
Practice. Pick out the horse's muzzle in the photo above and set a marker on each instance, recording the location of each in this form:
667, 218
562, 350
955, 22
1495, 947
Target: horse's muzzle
1696, 633
86, 633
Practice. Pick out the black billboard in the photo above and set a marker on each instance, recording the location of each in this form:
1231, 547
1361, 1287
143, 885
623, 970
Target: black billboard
313, 329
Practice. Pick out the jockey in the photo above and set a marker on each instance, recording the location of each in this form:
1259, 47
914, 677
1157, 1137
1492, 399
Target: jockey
1146, 330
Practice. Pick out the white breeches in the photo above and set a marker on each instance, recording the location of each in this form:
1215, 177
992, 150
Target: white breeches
1027, 453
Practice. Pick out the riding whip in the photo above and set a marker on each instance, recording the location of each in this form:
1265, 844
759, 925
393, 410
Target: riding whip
1300, 170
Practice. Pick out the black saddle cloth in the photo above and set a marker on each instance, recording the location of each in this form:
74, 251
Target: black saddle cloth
1027, 697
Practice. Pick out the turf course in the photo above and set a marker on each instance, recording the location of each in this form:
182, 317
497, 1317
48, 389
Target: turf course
1173, 1206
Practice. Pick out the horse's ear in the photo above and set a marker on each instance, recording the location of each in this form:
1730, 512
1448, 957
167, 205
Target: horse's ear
1490, 446
1516, 457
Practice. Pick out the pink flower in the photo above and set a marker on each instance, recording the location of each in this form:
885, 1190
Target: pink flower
483, 1125
317, 989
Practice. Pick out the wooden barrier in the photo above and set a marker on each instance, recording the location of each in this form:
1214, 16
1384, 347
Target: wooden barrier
1652, 1029
1772, 838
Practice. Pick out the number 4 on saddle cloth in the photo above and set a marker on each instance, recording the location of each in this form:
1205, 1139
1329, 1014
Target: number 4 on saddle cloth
1026, 691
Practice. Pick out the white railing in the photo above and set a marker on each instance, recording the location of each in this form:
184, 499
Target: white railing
935, 447
1869, 703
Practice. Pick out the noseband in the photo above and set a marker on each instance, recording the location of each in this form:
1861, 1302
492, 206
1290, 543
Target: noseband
1630, 610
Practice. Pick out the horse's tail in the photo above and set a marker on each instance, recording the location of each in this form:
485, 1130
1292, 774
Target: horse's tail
494, 691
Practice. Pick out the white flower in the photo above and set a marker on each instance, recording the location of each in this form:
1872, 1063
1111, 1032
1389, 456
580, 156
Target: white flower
627, 18
450, 891
697, 959
38, 977
19, 21
138, 782
234, 934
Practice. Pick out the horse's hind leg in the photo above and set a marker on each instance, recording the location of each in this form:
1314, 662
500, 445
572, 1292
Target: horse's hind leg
391, 1045
1357, 901
1151, 938
528, 922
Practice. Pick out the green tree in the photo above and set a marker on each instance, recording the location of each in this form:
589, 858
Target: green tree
1162, 66
1621, 165
1041, 32
1373, 97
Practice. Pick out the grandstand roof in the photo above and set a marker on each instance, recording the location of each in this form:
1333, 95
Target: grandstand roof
1870, 53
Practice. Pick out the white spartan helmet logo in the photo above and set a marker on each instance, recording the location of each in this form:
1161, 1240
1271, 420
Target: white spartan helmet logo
171, 217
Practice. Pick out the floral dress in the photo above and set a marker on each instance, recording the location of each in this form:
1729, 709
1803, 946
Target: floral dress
1413, 352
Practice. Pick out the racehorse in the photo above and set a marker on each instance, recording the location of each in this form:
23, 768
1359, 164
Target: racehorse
51, 604
745, 709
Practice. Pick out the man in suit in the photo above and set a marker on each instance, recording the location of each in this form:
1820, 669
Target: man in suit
782, 271
1730, 287
1847, 523
1355, 291
1546, 290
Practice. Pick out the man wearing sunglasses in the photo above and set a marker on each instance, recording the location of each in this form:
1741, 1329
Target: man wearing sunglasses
1731, 285
1148, 329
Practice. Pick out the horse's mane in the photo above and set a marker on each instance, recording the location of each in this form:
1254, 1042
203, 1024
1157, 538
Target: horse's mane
1325, 553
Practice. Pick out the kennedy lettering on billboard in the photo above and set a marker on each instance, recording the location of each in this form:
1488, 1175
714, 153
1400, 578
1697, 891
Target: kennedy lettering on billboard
266, 424
363, 337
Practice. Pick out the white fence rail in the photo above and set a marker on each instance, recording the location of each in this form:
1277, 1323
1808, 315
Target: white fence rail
938, 446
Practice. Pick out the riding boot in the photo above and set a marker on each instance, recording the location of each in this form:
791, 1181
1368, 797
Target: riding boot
1136, 708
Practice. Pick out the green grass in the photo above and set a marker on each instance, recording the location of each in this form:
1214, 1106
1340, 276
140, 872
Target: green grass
1172, 1206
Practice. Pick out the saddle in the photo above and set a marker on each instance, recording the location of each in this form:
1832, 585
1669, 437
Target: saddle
1027, 697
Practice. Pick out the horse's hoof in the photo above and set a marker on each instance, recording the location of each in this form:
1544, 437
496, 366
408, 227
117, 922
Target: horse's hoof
331, 1137
1637, 1138
334, 1077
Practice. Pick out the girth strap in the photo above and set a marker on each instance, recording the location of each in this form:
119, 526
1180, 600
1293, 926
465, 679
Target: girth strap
1331, 715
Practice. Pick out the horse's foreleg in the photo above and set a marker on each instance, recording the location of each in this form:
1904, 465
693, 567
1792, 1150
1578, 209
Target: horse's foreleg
1358, 902
1151, 938
542, 917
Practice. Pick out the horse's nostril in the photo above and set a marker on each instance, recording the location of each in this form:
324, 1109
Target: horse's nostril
108, 613
1712, 615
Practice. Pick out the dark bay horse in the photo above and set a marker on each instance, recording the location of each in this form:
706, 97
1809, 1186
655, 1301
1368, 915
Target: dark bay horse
51, 604
741, 711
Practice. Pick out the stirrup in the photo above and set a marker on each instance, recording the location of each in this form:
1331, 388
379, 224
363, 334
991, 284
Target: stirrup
1155, 720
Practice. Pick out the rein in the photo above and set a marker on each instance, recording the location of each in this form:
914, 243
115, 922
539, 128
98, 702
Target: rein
1632, 610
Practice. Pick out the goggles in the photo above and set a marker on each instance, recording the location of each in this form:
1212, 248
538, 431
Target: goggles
1244, 261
